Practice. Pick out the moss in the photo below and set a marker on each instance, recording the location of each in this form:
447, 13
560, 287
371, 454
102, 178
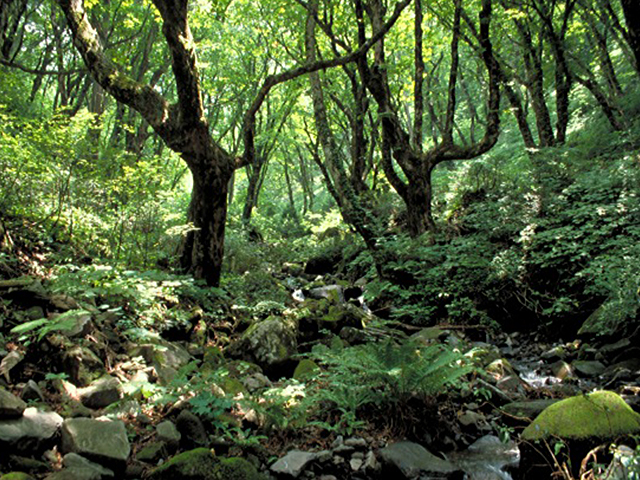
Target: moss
16, 476
600, 414
306, 369
233, 386
194, 464
235, 468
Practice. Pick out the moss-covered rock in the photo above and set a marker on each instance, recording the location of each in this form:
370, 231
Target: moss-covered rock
16, 476
306, 369
597, 415
197, 464
235, 468
202, 464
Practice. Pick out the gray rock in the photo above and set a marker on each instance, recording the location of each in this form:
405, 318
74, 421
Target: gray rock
588, 368
104, 442
166, 357
293, 463
528, 408
356, 463
561, 370
269, 342
10, 405
79, 324
82, 365
101, 393
334, 293
486, 458
32, 391
79, 468
167, 432
31, 432
371, 463
412, 459
152, 452
356, 442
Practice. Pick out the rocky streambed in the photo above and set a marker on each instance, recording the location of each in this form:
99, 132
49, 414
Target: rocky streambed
79, 399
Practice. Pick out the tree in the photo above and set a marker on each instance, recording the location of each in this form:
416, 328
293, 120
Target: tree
183, 126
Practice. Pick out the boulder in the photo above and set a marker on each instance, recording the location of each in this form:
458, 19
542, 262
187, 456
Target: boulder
191, 429
79, 468
597, 415
82, 365
194, 464
268, 342
293, 463
587, 368
104, 442
167, 432
101, 393
10, 405
33, 431
412, 460
166, 357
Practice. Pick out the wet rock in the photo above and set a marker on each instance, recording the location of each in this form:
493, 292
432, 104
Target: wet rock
167, 432
597, 415
191, 429
561, 370
79, 468
411, 460
616, 347
104, 442
10, 405
33, 431
588, 368
293, 463
101, 393
487, 458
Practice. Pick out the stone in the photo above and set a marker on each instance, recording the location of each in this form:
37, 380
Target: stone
101, 393
152, 452
556, 353
79, 468
31, 432
486, 458
9, 361
16, 476
561, 370
104, 442
166, 357
268, 342
334, 293
77, 323
32, 391
588, 368
599, 415
201, 464
412, 460
167, 432
191, 429
356, 463
10, 405
293, 463
528, 408
82, 365
356, 442
306, 370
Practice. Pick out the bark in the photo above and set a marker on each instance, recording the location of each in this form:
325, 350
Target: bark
631, 9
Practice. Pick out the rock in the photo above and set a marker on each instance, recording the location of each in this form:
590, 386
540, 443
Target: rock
356, 442
16, 476
152, 452
412, 460
201, 464
10, 405
472, 418
500, 368
79, 468
486, 458
104, 442
306, 369
101, 393
63, 302
371, 464
9, 361
269, 342
31, 432
166, 357
293, 463
77, 323
511, 384
597, 415
556, 353
356, 463
561, 370
32, 391
167, 432
588, 368
615, 348
82, 365
527, 408
334, 293
191, 429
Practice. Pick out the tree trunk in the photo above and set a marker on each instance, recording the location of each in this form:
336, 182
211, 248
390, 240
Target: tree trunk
631, 10
203, 248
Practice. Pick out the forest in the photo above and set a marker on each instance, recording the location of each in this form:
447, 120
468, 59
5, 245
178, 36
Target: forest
319, 239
